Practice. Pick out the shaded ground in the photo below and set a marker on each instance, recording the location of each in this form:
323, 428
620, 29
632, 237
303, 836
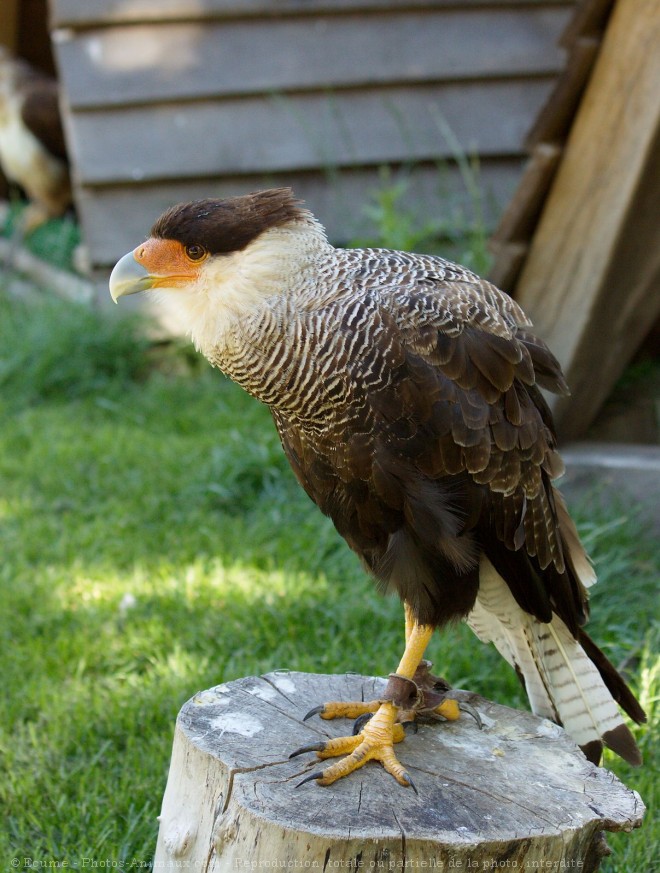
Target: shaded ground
603, 472
632, 412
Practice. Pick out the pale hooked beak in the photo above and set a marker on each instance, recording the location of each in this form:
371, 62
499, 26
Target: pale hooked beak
129, 277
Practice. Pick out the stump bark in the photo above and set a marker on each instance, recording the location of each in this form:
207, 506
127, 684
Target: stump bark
516, 794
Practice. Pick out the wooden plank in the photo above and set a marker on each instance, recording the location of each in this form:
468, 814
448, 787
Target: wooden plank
263, 134
554, 121
114, 219
9, 24
143, 63
509, 260
77, 13
522, 213
590, 20
627, 309
574, 286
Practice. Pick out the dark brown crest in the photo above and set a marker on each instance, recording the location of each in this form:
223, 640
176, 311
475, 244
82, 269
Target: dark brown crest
224, 226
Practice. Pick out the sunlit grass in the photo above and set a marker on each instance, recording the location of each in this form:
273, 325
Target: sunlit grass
155, 543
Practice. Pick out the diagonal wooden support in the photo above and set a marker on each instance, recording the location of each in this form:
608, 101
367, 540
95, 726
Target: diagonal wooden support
591, 281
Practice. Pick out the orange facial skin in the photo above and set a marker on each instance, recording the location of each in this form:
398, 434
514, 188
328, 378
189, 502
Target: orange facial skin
169, 263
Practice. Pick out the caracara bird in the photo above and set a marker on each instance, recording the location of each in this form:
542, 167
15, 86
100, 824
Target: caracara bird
405, 391
32, 149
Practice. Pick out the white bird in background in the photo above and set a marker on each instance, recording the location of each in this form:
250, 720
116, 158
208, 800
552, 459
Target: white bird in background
32, 147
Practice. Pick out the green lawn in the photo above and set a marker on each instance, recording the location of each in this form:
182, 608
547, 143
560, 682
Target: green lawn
155, 543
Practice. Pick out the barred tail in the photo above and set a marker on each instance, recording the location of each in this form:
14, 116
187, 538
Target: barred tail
567, 680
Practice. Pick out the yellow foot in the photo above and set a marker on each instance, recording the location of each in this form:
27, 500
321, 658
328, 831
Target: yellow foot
343, 745
425, 696
449, 709
380, 724
374, 743
338, 709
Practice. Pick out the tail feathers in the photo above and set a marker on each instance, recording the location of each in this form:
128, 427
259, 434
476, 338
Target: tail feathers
612, 679
561, 679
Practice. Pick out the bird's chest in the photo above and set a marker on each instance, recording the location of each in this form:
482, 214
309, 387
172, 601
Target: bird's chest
23, 158
18, 147
292, 364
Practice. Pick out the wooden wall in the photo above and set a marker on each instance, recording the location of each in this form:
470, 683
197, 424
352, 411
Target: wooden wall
187, 98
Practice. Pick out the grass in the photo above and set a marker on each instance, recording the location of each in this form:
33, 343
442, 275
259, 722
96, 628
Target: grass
54, 241
457, 235
155, 543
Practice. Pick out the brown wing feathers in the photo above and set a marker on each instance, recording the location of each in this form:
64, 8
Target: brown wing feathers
441, 450
454, 408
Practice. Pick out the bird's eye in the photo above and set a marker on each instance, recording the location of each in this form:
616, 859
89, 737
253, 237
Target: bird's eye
195, 253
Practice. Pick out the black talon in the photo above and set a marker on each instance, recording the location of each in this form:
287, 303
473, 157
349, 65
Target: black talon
360, 722
314, 711
310, 778
466, 707
411, 783
315, 747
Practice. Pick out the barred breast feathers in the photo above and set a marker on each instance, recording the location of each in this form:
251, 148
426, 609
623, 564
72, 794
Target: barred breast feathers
340, 303
295, 261
288, 286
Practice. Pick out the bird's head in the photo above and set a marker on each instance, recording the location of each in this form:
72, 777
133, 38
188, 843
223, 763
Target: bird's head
218, 259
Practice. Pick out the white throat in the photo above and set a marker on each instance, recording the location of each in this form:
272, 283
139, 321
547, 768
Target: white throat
234, 288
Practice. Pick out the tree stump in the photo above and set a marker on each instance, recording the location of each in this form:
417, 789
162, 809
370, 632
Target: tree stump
515, 794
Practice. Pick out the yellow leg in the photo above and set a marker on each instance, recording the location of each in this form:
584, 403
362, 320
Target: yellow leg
410, 621
417, 637
378, 736
416, 644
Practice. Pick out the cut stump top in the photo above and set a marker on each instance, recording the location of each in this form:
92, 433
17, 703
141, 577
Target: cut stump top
518, 779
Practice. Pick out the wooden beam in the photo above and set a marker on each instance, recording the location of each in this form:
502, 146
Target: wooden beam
590, 281
83, 13
9, 24
627, 312
144, 64
589, 20
554, 120
44, 275
510, 242
520, 218
508, 264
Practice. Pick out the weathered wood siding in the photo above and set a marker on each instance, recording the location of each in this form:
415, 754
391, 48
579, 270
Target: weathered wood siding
184, 98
